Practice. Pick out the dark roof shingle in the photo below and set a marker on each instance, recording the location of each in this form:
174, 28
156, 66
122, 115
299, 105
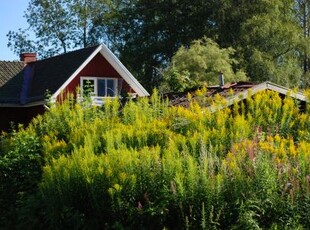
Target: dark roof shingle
9, 69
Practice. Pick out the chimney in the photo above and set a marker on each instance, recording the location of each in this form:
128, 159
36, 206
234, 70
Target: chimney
28, 57
221, 79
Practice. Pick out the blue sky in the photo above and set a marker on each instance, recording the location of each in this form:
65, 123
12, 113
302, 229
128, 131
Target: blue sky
11, 18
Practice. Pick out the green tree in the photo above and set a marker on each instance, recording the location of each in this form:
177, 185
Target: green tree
60, 25
201, 64
303, 17
148, 33
273, 44
265, 34
228, 17
270, 37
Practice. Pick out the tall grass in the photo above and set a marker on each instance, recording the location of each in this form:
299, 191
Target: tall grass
146, 165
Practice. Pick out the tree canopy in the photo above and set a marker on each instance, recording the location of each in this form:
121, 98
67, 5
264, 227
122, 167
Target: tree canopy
270, 37
200, 64
274, 44
60, 26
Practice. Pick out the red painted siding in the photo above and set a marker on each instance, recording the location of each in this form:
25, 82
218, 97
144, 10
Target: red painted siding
98, 67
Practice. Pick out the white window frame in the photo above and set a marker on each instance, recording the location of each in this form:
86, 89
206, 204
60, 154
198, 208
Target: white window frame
95, 79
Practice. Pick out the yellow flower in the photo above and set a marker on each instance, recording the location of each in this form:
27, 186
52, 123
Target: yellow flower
277, 138
292, 148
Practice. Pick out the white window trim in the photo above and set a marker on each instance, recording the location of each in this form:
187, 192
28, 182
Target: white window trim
95, 79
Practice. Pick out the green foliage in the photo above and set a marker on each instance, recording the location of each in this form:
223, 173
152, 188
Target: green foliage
148, 33
21, 164
274, 45
60, 25
264, 39
147, 165
201, 64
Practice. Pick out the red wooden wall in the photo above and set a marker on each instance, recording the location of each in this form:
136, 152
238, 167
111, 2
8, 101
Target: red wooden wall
98, 67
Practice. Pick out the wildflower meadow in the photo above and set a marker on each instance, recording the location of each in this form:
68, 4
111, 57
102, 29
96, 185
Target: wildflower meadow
148, 165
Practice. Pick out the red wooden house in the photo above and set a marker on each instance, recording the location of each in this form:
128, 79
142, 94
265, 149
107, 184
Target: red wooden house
24, 85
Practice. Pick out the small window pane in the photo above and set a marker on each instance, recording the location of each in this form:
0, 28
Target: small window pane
88, 87
101, 88
110, 88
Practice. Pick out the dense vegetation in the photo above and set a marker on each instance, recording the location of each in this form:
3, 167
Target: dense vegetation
145, 165
270, 37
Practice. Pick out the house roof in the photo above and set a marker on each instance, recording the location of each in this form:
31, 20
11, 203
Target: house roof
54, 74
9, 69
51, 73
233, 92
115, 63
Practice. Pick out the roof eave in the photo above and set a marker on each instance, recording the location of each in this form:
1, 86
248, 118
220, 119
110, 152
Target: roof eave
283, 90
31, 104
123, 71
265, 86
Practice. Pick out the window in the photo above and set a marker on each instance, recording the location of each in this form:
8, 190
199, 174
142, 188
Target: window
99, 87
